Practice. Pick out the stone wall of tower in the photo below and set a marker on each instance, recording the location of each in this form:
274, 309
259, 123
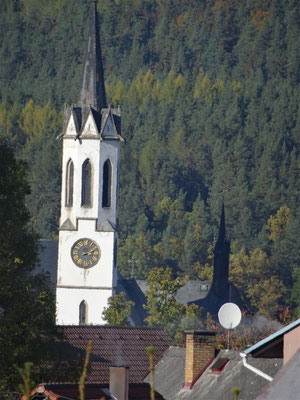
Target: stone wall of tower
96, 284
97, 152
109, 149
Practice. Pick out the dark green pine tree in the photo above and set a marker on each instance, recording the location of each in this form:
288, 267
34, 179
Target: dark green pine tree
198, 238
27, 304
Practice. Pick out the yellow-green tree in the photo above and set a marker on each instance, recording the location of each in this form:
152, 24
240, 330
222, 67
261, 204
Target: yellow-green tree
118, 310
278, 224
163, 308
253, 274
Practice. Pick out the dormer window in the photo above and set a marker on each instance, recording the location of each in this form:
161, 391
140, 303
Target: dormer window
106, 191
218, 365
69, 183
86, 187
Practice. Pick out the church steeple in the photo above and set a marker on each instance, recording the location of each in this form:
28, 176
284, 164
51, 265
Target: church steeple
220, 285
93, 91
87, 261
222, 229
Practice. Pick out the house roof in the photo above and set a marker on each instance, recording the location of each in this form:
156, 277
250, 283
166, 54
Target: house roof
272, 337
135, 294
169, 377
169, 372
69, 391
192, 290
66, 392
286, 383
115, 346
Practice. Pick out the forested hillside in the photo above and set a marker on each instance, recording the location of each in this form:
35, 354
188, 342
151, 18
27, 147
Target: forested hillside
210, 99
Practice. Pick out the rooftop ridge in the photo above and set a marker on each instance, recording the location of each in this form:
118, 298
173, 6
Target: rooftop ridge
146, 328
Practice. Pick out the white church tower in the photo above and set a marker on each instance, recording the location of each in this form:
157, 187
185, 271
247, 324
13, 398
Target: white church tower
86, 272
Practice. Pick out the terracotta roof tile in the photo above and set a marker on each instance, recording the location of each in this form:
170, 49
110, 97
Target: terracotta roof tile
117, 346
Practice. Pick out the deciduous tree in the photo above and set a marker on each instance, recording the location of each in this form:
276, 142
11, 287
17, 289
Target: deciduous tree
118, 310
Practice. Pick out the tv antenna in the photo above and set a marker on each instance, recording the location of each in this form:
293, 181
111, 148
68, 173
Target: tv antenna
229, 317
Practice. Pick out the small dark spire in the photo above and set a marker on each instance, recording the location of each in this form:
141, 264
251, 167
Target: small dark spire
93, 91
220, 285
222, 229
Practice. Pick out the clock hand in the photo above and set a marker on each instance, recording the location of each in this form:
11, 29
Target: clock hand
88, 253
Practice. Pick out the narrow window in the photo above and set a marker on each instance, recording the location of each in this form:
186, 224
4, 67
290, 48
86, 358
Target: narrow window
106, 191
83, 313
69, 184
86, 191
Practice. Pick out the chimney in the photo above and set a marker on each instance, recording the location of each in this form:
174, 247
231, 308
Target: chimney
119, 382
200, 349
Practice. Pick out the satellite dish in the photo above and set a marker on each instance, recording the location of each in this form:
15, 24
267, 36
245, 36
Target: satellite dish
229, 315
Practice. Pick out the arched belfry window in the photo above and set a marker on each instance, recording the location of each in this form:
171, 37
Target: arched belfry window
106, 188
86, 188
69, 183
83, 313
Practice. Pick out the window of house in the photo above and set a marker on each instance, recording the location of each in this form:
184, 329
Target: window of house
106, 192
69, 183
86, 190
83, 313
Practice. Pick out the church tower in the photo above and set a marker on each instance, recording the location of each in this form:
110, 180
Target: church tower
86, 272
220, 284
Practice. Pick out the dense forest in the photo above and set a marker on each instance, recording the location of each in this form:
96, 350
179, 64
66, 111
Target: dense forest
210, 100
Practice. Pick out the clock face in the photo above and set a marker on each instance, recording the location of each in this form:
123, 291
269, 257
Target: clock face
85, 253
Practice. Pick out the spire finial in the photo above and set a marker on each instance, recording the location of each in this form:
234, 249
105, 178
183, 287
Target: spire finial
93, 91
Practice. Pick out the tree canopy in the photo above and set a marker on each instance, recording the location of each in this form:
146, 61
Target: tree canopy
209, 93
27, 306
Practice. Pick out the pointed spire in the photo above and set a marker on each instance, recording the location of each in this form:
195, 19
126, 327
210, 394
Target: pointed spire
222, 229
93, 91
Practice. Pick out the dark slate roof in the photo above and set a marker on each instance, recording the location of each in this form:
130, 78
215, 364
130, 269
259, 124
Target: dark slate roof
193, 290
137, 391
135, 294
286, 383
218, 386
116, 346
169, 372
141, 391
169, 377
48, 253
212, 303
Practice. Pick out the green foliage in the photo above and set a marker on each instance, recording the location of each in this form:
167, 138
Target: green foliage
150, 353
257, 281
210, 110
163, 309
236, 391
27, 306
83, 376
296, 291
118, 310
27, 384
277, 225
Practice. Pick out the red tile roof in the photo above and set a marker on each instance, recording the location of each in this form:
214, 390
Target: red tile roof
117, 346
